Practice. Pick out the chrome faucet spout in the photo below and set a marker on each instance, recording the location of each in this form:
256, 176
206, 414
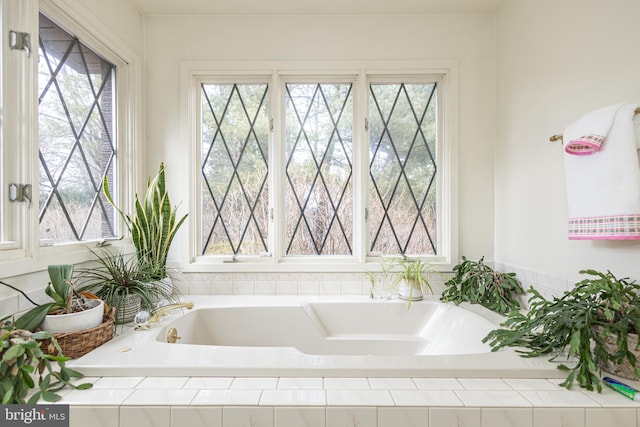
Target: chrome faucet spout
163, 311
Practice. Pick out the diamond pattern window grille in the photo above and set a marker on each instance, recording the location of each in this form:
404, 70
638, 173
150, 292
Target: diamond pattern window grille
403, 130
235, 136
318, 153
77, 150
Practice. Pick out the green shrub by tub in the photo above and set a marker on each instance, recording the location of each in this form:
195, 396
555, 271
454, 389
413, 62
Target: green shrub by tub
593, 325
477, 283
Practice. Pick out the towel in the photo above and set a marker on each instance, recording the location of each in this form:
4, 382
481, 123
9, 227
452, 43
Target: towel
603, 189
591, 130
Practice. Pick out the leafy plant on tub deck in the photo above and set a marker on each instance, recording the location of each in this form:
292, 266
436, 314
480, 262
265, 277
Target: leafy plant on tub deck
154, 224
65, 301
412, 278
477, 283
21, 358
595, 325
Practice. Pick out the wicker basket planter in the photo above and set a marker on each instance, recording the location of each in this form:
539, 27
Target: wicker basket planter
79, 343
623, 370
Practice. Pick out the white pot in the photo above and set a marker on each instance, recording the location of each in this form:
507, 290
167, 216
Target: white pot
127, 308
87, 319
410, 291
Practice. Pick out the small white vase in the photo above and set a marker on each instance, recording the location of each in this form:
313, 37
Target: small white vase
71, 322
410, 291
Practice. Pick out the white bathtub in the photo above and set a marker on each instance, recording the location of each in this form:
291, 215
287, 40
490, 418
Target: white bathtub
315, 336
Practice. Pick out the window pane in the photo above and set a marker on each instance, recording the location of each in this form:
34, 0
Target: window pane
318, 153
402, 182
76, 120
235, 134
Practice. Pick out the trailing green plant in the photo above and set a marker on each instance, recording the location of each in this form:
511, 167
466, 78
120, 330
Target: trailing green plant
64, 297
22, 361
576, 325
117, 276
153, 225
478, 283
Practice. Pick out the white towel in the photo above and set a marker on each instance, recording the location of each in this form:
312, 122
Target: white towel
603, 189
589, 132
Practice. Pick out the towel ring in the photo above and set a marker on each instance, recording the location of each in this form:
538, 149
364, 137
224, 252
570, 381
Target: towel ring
558, 137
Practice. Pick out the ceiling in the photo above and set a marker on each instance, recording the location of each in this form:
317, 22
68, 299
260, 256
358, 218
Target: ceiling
313, 7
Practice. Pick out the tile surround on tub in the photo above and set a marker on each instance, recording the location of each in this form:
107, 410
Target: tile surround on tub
288, 283
339, 402
332, 283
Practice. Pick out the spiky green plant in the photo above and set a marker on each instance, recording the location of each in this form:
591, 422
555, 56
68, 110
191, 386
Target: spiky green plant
414, 272
117, 276
154, 224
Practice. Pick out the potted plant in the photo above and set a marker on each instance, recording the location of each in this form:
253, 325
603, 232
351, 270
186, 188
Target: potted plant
21, 359
595, 325
380, 280
477, 283
411, 279
123, 283
153, 225
68, 312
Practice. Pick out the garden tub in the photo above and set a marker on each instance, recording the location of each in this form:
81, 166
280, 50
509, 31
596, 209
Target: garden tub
342, 336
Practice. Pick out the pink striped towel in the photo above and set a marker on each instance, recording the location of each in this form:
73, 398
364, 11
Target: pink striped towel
590, 131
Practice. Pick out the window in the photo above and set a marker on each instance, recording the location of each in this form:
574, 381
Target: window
403, 153
235, 159
77, 138
318, 156
286, 171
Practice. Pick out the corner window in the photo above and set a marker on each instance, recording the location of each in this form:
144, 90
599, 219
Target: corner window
77, 139
317, 167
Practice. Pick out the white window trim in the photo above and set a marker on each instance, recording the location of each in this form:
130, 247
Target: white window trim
29, 256
16, 128
193, 72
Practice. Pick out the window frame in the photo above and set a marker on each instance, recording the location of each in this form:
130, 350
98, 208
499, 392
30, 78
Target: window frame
15, 127
362, 73
28, 255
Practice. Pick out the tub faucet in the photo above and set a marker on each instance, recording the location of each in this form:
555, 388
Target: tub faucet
163, 311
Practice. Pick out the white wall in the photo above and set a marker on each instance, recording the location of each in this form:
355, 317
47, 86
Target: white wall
468, 39
115, 19
556, 60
